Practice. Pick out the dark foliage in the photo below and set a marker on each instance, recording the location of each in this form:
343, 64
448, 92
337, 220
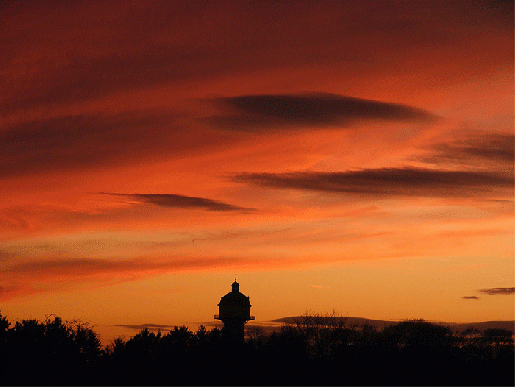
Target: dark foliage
312, 351
48, 352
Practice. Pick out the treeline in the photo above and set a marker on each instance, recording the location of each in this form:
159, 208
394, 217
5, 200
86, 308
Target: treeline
312, 351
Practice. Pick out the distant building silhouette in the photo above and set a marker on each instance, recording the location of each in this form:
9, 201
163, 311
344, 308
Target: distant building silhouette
234, 312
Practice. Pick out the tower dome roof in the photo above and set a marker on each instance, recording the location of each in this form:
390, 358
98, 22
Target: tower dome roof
235, 297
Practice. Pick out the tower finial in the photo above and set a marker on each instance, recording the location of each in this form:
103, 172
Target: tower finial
235, 286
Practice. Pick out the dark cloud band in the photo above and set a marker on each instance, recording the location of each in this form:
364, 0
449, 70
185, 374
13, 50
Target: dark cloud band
386, 182
498, 291
492, 147
181, 201
313, 109
150, 327
94, 141
76, 267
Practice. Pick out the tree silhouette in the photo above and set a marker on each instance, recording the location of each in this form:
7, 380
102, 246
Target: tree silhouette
314, 350
498, 336
42, 352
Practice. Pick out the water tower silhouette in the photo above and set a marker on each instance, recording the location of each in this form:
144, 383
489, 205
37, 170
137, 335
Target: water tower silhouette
234, 311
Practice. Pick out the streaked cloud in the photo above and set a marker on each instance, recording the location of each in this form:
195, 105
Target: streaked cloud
6, 290
181, 201
498, 291
470, 298
150, 327
96, 53
86, 266
270, 111
488, 147
36, 276
407, 181
89, 141
319, 287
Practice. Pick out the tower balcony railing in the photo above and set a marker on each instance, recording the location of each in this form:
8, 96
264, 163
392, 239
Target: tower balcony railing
217, 317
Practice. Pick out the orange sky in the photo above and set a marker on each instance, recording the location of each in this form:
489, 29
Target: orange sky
355, 156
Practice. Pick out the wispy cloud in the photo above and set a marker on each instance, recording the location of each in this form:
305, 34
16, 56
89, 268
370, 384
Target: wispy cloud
95, 53
150, 327
86, 266
181, 201
498, 291
407, 181
311, 109
8, 290
470, 298
488, 147
319, 287
93, 140
42, 275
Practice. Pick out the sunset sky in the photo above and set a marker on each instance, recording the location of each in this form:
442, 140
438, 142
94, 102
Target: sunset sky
346, 155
